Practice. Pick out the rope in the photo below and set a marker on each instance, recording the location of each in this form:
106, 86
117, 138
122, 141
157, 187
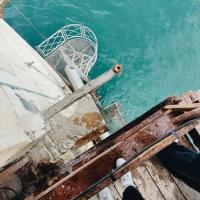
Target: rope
27, 20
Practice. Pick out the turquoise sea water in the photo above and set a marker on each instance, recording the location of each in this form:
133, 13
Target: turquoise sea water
157, 41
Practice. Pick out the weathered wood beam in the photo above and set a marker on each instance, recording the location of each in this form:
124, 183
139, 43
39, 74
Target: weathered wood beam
182, 107
187, 116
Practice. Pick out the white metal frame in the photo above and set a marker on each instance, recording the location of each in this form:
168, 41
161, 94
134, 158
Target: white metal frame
65, 34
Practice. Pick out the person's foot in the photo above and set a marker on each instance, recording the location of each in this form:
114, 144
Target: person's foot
105, 194
126, 179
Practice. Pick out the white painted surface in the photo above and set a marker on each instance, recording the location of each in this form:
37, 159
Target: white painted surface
71, 72
29, 85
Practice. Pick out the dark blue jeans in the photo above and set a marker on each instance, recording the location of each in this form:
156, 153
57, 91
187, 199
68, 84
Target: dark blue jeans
183, 163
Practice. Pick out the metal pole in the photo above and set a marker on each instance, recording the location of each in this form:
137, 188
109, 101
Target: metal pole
72, 72
89, 87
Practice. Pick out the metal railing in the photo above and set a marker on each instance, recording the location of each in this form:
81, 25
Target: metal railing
65, 34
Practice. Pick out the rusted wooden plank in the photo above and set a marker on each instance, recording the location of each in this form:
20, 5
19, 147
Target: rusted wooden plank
182, 107
187, 116
144, 183
66, 188
188, 192
142, 124
99, 161
115, 192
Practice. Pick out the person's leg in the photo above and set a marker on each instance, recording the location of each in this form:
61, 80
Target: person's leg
130, 191
183, 163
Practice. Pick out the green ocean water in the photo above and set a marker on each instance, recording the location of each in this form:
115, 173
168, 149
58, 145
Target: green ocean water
156, 41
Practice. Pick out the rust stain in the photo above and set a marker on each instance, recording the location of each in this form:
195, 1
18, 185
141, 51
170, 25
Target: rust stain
92, 119
90, 137
139, 134
38, 176
76, 121
2, 5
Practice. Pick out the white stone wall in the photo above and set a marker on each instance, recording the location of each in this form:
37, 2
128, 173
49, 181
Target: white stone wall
29, 85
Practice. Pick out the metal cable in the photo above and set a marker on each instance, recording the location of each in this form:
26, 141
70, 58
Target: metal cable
27, 20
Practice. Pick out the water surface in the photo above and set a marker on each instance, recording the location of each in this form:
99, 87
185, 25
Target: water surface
157, 41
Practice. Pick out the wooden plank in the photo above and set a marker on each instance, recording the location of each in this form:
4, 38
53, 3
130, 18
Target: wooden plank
187, 116
115, 193
95, 197
187, 191
163, 180
119, 187
146, 185
182, 107
8, 171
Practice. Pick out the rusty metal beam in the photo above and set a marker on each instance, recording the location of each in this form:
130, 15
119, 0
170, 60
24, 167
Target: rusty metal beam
93, 170
129, 142
62, 189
